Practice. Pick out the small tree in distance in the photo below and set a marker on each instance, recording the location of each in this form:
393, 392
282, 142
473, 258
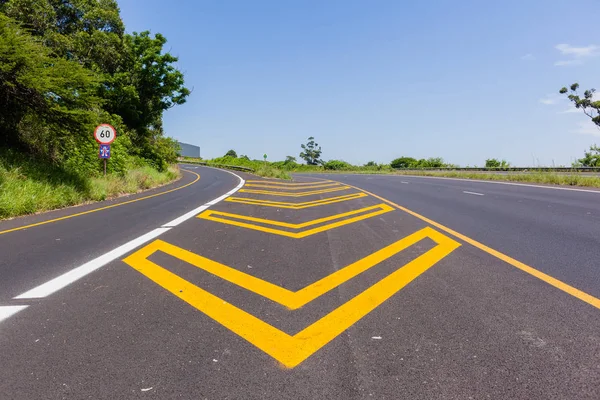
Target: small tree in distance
495, 163
231, 153
591, 158
311, 152
404, 162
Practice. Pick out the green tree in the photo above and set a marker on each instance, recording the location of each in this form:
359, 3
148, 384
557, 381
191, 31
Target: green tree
404, 162
231, 153
591, 158
45, 102
290, 160
311, 152
67, 65
89, 32
587, 104
146, 85
495, 163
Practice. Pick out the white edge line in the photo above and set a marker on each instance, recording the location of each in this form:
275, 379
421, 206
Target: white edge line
75, 274
9, 311
203, 207
475, 193
470, 180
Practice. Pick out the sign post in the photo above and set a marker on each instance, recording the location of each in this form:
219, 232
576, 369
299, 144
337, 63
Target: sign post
265, 157
104, 134
104, 153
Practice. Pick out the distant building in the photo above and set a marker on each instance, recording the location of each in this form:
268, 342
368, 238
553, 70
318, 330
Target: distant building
189, 150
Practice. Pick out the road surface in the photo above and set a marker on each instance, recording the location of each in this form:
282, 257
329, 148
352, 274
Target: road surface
228, 286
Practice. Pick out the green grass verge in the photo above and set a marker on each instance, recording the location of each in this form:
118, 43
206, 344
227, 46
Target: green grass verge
27, 186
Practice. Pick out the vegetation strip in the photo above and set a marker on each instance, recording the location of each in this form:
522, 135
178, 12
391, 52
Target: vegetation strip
102, 208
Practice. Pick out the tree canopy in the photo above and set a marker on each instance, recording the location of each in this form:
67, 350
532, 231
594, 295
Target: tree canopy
68, 65
311, 152
495, 163
587, 103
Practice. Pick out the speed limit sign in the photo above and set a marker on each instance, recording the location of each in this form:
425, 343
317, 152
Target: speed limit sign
105, 134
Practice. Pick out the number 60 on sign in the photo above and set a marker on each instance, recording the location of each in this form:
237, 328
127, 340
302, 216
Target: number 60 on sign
105, 134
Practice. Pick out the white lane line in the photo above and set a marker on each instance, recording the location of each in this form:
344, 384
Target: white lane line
403, 182
9, 311
75, 274
186, 216
475, 193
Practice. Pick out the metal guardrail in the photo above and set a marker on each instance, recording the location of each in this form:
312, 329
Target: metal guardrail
508, 169
223, 166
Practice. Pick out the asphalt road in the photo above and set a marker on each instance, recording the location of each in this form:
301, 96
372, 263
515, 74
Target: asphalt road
359, 287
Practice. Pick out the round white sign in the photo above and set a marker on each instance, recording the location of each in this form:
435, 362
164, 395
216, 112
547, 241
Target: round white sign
105, 134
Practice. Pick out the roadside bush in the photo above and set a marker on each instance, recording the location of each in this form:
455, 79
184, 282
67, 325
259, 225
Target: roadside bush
337, 165
404, 162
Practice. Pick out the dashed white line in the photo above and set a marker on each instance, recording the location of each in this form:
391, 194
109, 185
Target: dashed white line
75, 274
403, 182
475, 193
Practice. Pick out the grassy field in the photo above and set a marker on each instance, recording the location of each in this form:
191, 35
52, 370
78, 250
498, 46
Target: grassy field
27, 187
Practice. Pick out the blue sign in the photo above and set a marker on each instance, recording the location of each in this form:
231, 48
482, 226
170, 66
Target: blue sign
104, 151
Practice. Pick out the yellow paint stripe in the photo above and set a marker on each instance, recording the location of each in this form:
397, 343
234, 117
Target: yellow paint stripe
311, 186
594, 301
290, 184
102, 208
301, 194
287, 298
287, 349
296, 206
215, 216
208, 213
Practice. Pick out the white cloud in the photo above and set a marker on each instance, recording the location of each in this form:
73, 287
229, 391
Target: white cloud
587, 128
551, 99
577, 54
566, 63
528, 57
569, 50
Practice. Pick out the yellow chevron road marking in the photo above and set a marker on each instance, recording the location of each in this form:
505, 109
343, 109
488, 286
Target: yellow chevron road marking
371, 211
300, 194
290, 188
291, 350
291, 184
296, 206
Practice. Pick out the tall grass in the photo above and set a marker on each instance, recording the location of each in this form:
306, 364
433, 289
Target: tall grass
268, 171
28, 186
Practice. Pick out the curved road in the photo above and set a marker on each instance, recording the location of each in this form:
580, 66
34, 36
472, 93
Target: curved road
328, 287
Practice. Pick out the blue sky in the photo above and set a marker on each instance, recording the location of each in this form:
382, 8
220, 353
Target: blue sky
375, 80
